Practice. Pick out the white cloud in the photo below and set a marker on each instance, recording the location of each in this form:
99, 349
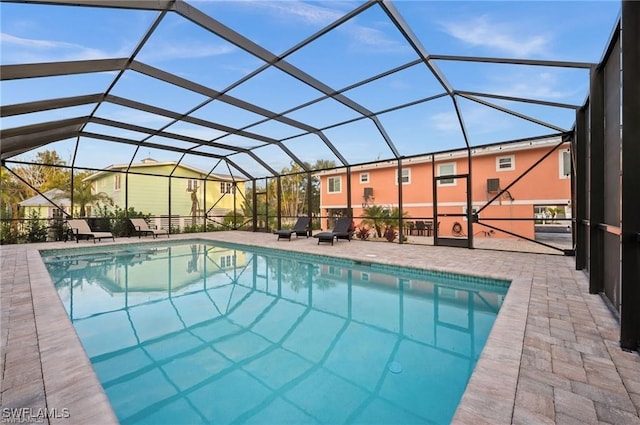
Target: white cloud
305, 12
477, 119
507, 38
445, 121
369, 37
361, 36
27, 50
168, 51
535, 85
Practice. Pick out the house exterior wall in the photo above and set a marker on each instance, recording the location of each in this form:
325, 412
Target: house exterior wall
543, 185
150, 193
43, 211
172, 269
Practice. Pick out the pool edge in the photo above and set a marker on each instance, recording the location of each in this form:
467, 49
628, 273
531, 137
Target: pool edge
70, 381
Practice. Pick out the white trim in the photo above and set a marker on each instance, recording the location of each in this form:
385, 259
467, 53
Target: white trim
475, 204
368, 180
408, 176
439, 168
339, 178
451, 156
561, 175
512, 163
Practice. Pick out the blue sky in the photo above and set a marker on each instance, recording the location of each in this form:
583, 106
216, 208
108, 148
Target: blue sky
360, 48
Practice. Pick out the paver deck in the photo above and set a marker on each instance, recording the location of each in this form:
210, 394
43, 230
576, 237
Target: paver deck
552, 356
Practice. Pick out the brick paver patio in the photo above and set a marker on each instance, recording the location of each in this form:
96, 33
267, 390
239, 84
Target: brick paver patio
552, 356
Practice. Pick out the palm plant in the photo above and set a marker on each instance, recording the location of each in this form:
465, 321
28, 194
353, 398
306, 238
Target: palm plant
375, 215
83, 196
392, 220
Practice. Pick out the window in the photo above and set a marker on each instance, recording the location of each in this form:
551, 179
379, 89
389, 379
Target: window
192, 185
117, 181
364, 276
404, 283
334, 184
445, 292
565, 164
226, 187
364, 177
506, 163
406, 176
447, 170
227, 261
334, 271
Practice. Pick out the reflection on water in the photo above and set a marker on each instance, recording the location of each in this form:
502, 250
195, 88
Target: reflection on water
196, 333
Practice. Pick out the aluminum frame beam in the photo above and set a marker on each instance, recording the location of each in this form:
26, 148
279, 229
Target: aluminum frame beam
196, 16
630, 267
54, 69
47, 105
126, 141
517, 99
530, 62
114, 4
17, 140
515, 114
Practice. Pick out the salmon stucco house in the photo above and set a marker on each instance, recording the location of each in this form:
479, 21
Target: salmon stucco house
536, 174
170, 189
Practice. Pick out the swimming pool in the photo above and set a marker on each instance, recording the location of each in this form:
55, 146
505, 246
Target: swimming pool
201, 332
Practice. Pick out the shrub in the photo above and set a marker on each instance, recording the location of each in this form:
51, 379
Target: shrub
228, 219
193, 228
390, 234
362, 232
8, 233
35, 230
116, 221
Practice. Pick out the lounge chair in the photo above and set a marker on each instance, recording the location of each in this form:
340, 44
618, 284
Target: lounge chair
301, 228
342, 230
141, 227
80, 229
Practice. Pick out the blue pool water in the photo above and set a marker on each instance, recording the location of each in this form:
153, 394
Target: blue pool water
195, 332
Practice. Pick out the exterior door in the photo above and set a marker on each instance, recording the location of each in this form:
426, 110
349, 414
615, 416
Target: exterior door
452, 216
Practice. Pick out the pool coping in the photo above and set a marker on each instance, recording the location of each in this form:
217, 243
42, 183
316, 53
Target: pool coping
490, 397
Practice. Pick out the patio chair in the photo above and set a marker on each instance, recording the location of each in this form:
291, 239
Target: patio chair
80, 229
141, 227
342, 230
301, 228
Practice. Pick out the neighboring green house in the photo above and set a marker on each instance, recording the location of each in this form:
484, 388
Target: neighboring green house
148, 189
43, 207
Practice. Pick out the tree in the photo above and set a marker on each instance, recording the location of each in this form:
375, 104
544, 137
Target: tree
294, 195
83, 195
291, 182
46, 172
12, 192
